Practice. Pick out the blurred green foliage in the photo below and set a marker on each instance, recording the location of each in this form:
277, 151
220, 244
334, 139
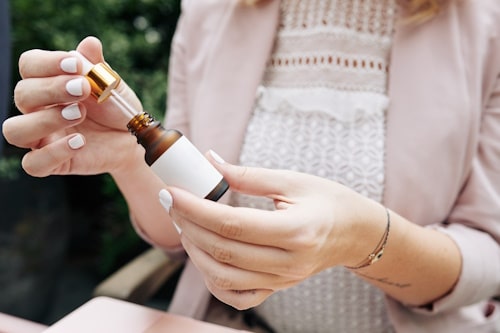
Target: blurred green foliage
10, 168
136, 36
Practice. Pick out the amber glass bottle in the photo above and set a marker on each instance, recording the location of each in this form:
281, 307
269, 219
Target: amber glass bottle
169, 153
175, 159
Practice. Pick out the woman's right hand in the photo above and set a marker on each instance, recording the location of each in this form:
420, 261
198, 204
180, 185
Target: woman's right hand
65, 128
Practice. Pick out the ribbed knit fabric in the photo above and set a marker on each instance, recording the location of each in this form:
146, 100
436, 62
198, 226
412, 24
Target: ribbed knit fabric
321, 110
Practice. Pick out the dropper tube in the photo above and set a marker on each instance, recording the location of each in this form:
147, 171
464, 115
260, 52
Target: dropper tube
122, 104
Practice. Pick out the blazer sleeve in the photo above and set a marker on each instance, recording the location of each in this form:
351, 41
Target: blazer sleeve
474, 225
472, 218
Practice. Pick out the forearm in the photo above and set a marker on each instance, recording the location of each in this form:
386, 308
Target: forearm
140, 187
419, 265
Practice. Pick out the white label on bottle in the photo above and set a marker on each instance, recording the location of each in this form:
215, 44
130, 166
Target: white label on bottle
183, 166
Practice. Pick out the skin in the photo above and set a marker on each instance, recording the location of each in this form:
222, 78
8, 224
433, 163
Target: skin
244, 254
247, 254
109, 148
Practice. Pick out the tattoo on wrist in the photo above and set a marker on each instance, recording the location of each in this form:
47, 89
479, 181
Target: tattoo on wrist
385, 280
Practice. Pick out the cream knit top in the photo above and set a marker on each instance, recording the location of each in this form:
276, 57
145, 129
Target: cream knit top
321, 110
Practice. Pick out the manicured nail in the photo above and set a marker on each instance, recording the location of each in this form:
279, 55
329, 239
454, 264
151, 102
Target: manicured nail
69, 65
76, 142
71, 112
179, 230
165, 199
74, 87
216, 157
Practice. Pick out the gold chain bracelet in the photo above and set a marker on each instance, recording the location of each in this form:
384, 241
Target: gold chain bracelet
378, 252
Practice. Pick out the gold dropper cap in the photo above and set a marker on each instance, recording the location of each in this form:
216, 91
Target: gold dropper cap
102, 80
101, 77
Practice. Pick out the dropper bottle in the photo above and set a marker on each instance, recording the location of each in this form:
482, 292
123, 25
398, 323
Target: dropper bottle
168, 152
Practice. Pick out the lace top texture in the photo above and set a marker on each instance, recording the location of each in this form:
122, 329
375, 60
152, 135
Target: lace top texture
321, 110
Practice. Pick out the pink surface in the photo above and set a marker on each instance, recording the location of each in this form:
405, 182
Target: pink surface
104, 315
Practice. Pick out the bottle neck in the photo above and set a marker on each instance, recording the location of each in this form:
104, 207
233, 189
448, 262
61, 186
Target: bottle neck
139, 123
152, 136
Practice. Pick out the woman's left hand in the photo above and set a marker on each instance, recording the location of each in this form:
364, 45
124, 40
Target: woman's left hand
247, 254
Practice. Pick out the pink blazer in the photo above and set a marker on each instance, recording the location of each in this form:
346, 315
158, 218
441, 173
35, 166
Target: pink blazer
443, 131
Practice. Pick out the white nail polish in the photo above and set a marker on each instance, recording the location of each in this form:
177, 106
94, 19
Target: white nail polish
76, 142
74, 87
69, 65
71, 112
165, 199
179, 230
216, 157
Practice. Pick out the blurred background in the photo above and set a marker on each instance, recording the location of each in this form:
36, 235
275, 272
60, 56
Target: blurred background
61, 236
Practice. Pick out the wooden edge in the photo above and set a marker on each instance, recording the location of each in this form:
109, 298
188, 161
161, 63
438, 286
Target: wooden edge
138, 280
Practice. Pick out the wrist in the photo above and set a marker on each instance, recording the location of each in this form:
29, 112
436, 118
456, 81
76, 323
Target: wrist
131, 161
366, 234
378, 251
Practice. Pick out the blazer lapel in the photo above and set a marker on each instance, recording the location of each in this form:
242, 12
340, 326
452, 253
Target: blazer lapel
240, 49
429, 110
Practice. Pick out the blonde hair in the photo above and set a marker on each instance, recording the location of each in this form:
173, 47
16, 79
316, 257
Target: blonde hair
420, 10
417, 11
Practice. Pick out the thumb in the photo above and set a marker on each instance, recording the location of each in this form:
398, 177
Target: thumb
91, 48
253, 181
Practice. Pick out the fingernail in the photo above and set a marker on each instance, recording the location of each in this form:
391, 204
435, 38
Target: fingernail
179, 230
216, 157
69, 65
71, 112
74, 87
165, 199
76, 142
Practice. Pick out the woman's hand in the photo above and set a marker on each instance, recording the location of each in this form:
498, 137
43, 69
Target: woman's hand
247, 254
66, 130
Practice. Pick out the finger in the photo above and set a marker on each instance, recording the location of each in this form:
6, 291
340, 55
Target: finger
38, 63
256, 181
41, 63
54, 158
227, 277
36, 93
237, 223
26, 131
264, 259
240, 299
91, 48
